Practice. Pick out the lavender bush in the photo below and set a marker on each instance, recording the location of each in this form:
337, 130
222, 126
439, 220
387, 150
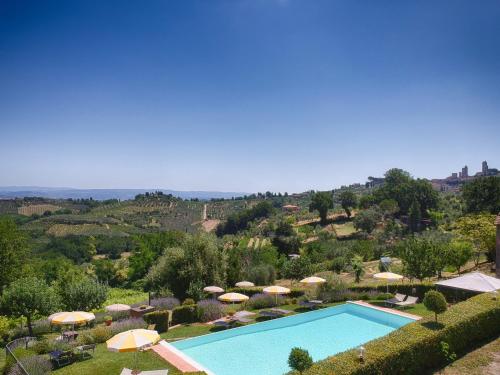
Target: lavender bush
127, 324
209, 309
262, 301
165, 303
35, 365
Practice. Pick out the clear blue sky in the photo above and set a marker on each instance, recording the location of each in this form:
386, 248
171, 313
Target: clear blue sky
251, 95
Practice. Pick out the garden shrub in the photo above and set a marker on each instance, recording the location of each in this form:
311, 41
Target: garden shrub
127, 325
159, 319
209, 310
184, 314
101, 333
34, 365
165, 303
188, 302
262, 301
416, 348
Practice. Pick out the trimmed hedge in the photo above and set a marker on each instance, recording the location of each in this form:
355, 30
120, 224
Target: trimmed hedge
184, 314
159, 319
415, 348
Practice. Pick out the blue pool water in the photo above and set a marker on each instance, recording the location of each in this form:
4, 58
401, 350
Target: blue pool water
263, 348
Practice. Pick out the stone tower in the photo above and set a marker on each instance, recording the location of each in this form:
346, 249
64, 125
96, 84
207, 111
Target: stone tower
484, 168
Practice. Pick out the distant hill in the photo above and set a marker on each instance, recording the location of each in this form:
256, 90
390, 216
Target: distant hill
103, 194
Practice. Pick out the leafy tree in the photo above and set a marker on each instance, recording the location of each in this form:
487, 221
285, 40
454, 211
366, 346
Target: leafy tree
29, 297
299, 359
401, 187
482, 195
13, 252
338, 264
197, 261
262, 274
321, 201
414, 217
149, 248
481, 231
357, 267
366, 201
417, 258
241, 220
367, 220
435, 302
296, 269
438, 244
77, 248
83, 294
389, 207
460, 252
348, 200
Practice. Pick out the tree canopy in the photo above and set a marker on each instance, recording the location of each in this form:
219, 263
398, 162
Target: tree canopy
13, 252
348, 201
321, 201
482, 195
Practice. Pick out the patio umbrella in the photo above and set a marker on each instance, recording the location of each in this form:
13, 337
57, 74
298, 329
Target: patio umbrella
388, 276
213, 290
276, 290
233, 297
71, 317
313, 280
117, 307
244, 284
132, 341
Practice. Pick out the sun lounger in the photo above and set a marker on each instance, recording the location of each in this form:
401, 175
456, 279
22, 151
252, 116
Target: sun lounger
410, 301
281, 311
126, 371
312, 304
243, 314
274, 313
154, 372
396, 299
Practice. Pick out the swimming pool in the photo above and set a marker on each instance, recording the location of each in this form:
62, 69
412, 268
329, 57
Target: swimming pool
263, 348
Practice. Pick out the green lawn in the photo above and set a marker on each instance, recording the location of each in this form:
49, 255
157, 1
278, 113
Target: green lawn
126, 296
110, 363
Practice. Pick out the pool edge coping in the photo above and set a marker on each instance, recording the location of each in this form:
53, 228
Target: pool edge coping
386, 309
185, 357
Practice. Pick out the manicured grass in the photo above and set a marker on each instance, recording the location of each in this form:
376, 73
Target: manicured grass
345, 229
484, 360
105, 362
126, 296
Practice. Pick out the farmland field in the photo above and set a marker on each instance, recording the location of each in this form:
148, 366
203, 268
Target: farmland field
38, 209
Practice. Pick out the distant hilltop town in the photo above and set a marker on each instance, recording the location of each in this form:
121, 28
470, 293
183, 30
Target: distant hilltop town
456, 179
450, 183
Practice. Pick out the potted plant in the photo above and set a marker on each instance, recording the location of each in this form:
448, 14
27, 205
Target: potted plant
108, 319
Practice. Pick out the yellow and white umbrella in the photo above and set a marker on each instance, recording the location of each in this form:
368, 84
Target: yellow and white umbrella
71, 317
233, 297
387, 276
276, 290
313, 280
133, 340
244, 284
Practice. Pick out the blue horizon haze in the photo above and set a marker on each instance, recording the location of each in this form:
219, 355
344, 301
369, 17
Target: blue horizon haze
245, 95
